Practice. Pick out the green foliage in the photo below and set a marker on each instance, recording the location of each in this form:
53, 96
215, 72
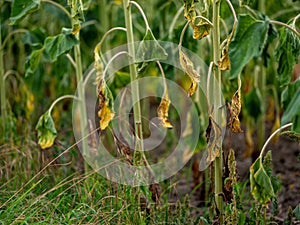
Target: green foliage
287, 54
291, 105
46, 130
249, 41
20, 9
60, 44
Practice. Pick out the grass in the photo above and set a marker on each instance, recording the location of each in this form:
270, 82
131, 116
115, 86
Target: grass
33, 192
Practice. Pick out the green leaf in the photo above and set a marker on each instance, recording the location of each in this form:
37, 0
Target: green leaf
292, 135
260, 183
59, 44
150, 50
32, 61
46, 131
287, 54
248, 42
288, 93
292, 112
253, 103
20, 9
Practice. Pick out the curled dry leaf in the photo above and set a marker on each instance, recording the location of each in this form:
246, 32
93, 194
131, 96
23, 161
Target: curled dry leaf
189, 9
162, 112
235, 109
188, 68
224, 63
106, 112
213, 148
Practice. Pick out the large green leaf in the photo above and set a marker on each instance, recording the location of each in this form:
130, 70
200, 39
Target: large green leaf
287, 54
248, 42
46, 131
20, 9
32, 61
260, 183
59, 44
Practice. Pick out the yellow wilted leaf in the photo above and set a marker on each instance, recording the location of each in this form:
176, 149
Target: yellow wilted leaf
162, 112
75, 29
188, 68
201, 30
224, 63
106, 112
236, 125
46, 131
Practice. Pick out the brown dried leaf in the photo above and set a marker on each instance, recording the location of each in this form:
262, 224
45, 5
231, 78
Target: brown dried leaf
106, 112
236, 126
213, 147
235, 109
188, 68
162, 112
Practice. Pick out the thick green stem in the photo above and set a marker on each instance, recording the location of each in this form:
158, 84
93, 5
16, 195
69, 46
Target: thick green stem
139, 147
2, 85
82, 109
217, 102
261, 81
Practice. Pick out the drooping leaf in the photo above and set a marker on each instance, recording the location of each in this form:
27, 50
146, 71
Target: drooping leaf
20, 9
260, 183
35, 38
248, 42
288, 93
201, 30
32, 61
292, 112
224, 63
235, 109
46, 131
150, 50
287, 54
213, 147
163, 112
188, 67
106, 112
59, 44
